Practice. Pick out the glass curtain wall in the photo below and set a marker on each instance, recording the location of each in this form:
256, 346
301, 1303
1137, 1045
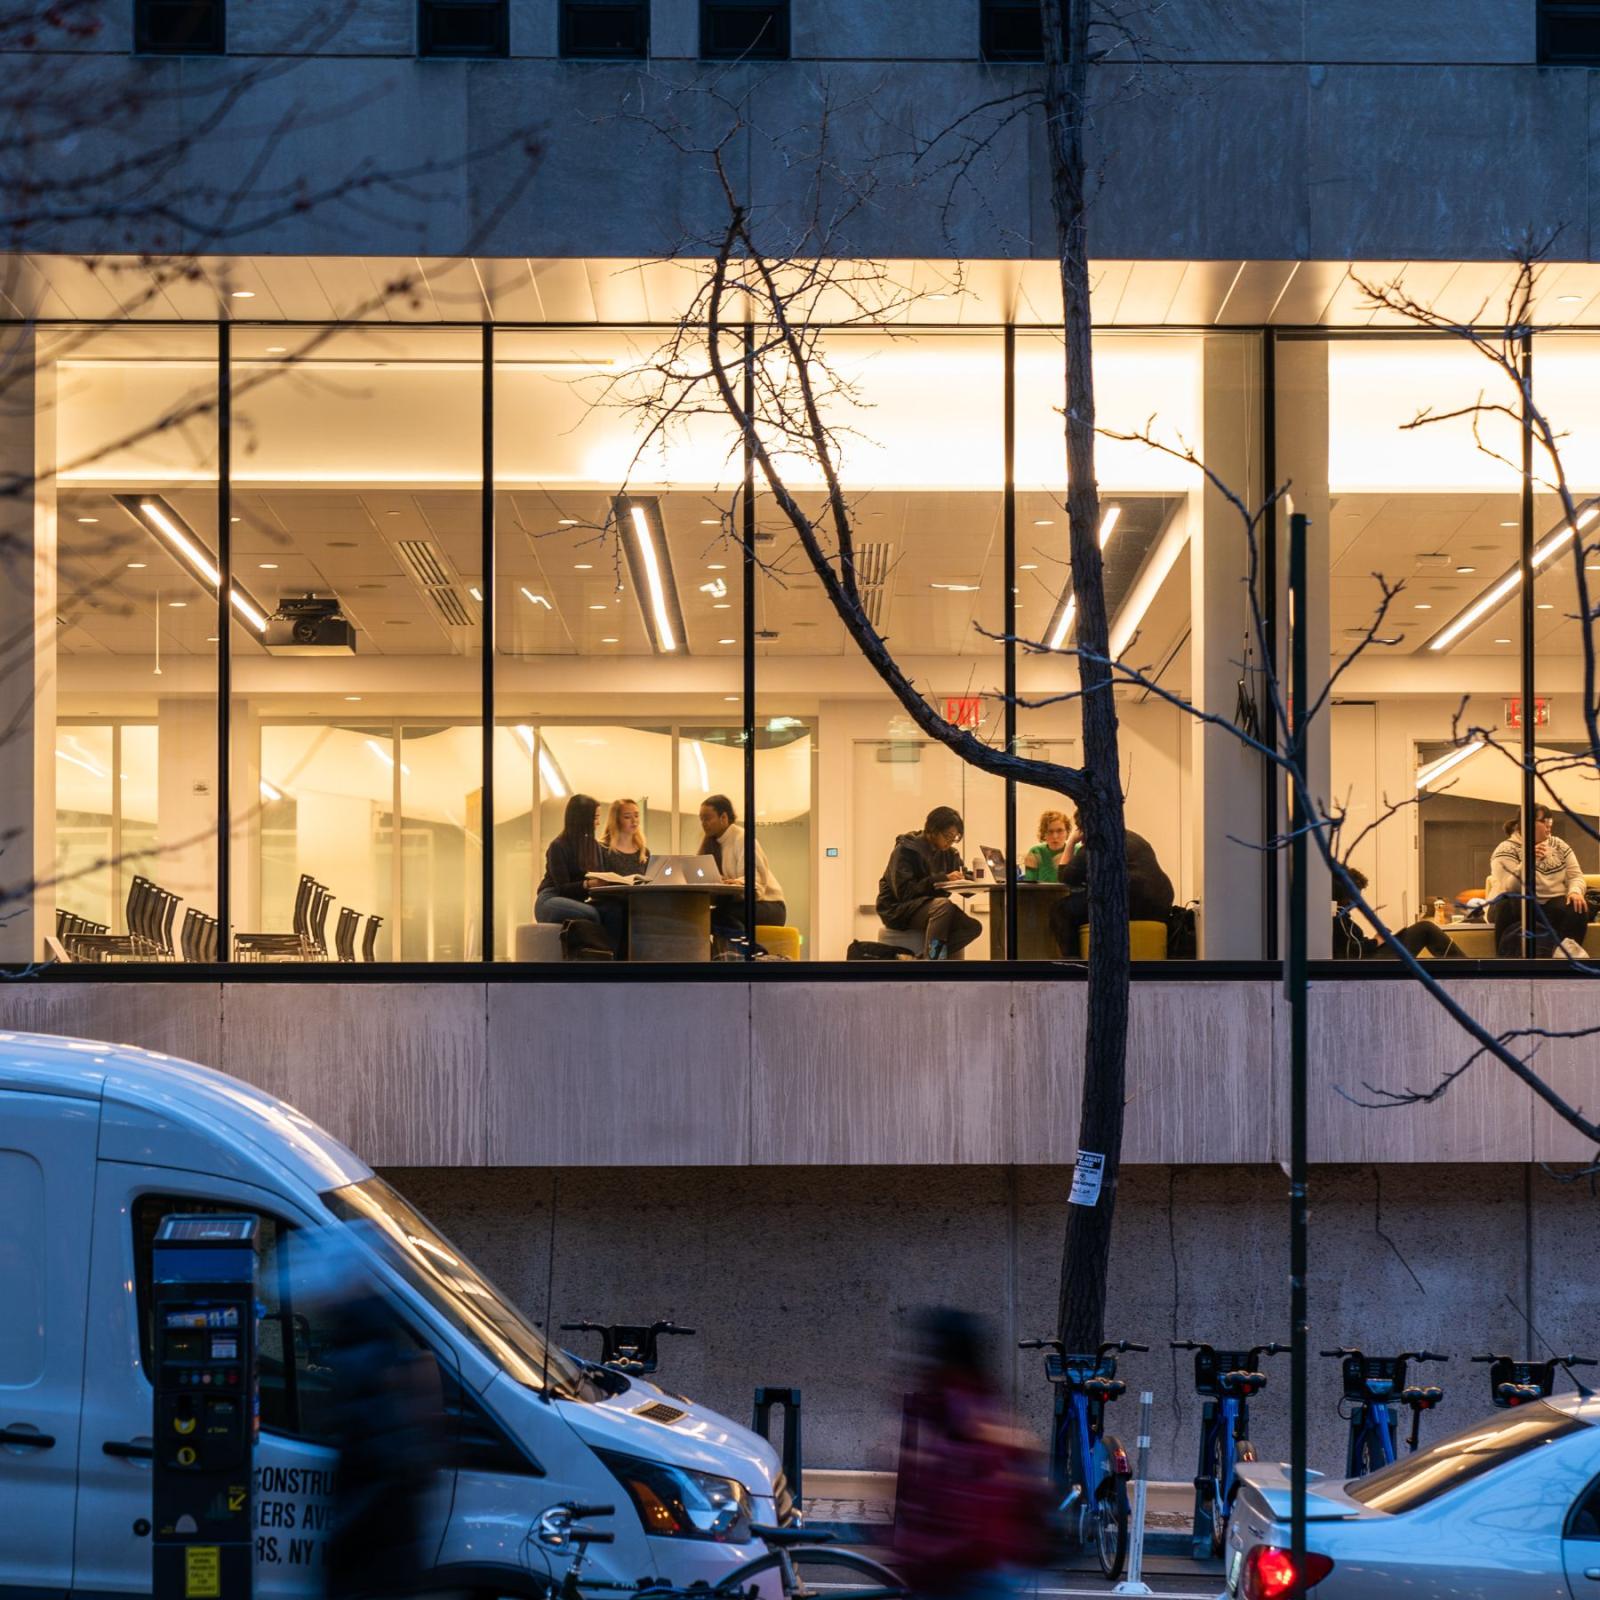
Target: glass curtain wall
618, 643
119, 434
356, 710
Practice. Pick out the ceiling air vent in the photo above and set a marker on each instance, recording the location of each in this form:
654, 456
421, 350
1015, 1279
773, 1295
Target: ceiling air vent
872, 574
422, 558
450, 608
660, 1411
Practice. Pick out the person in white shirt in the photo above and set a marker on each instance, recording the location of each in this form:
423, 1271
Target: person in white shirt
1559, 916
724, 841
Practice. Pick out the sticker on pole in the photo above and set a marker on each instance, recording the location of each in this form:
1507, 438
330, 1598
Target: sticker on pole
1086, 1176
202, 1572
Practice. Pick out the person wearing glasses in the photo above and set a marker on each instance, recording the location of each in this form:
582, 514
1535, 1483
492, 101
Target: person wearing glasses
910, 892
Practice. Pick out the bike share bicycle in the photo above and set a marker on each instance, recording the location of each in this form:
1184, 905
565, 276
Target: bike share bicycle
806, 1566
1225, 1380
1373, 1385
1517, 1383
1089, 1466
630, 1347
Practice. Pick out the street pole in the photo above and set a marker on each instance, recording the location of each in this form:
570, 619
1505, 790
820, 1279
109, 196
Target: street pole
1299, 699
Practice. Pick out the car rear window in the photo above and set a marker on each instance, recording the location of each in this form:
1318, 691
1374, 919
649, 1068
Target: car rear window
1414, 1480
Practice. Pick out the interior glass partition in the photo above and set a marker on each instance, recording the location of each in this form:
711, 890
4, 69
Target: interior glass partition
356, 725
119, 426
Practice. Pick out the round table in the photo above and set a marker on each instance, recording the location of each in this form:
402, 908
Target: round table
669, 921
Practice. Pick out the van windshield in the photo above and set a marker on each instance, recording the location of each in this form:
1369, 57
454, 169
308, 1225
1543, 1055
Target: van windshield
433, 1266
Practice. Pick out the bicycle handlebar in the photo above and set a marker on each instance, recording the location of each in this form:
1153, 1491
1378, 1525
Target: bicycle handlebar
1122, 1347
1558, 1361
1421, 1355
1349, 1351
1040, 1344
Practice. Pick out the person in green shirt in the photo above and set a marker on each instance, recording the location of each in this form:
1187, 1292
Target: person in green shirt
1058, 842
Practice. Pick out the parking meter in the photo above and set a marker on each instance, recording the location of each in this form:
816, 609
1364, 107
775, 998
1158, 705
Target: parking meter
203, 1290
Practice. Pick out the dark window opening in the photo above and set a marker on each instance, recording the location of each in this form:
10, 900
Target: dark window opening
463, 28
1569, 32
744, 30
1011, 30
179, 27
605, 28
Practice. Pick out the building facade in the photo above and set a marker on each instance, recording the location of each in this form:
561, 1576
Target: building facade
377, 328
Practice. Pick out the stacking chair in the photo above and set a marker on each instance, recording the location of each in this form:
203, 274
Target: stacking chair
369, 944
295, 946
189, 934
145, 909
344, 936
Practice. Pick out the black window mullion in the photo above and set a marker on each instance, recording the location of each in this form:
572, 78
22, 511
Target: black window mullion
486, 645
1009, 628
224, 636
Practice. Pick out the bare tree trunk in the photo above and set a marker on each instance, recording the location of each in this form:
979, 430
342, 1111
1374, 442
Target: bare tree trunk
1087, 1251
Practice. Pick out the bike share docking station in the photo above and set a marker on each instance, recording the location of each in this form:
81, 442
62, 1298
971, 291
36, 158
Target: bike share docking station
206, 1408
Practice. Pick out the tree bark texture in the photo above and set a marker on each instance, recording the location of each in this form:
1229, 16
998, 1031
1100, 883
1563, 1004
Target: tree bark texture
1086, 1253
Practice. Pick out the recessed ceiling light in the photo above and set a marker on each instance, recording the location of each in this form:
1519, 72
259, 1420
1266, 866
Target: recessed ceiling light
88, 519
1510, 524
597, 608
276, 349
1544, 605
137, 566
243, 294
1570, 299
391, 513
716, 566
1029, 566
1422, 605
711, 522
352, 697
267, 566
569, 522
722, 605
475, 592
176, 605
211, 638
733, 698
727, 641
956, 588
235, 519
1590, 566
610, 641
1044, 522
1502, 641
583, 566
1466, 571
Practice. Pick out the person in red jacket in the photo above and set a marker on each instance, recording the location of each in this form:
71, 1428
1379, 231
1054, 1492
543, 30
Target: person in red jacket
970, 1494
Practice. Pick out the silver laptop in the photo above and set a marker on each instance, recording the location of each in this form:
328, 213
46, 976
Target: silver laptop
672, 870
996, 860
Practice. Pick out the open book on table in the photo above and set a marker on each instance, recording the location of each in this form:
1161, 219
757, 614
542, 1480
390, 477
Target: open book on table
620, 880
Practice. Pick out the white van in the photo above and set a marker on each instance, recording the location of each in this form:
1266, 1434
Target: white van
98, 1143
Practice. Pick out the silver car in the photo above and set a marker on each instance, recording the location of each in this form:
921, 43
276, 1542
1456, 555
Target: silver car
1509, 1508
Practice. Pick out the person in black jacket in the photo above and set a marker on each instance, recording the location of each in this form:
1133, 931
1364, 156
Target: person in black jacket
1149, 890
1351, 944
574, 853
910, 894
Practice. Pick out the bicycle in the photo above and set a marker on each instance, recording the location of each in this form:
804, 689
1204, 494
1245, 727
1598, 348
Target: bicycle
793, 1554
1373, 1385
1518, 1383
1225, 1379
1090, 1465
628, 1347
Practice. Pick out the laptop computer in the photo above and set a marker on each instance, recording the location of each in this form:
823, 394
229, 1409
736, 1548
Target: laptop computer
674, 870
996, 860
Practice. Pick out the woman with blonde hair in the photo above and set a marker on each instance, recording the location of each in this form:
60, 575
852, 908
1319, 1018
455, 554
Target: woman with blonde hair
623, 838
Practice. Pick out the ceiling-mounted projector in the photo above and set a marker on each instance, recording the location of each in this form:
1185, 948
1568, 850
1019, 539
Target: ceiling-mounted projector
312, 625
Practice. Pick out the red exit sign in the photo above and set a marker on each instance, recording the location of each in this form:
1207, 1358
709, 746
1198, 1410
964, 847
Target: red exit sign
1541, 712
963, 711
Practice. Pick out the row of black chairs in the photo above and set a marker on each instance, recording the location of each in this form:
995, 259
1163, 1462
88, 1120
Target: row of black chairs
308, 938
152, 911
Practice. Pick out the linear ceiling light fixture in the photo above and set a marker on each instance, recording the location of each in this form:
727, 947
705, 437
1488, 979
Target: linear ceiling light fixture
1506, 585
1067, 605
1435, 770
549, 772
645, 536
157, 517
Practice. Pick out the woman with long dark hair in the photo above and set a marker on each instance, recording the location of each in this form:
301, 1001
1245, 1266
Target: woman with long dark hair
574, 854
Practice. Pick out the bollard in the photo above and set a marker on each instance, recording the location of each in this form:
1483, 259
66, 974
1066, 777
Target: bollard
1134, 1582
788, 1401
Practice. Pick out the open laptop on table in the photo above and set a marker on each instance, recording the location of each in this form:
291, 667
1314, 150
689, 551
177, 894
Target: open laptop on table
671, 872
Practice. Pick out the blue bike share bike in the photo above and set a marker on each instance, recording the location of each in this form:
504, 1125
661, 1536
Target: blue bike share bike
1225, 1380
1373, 1388
1518, 1383
1089, 1466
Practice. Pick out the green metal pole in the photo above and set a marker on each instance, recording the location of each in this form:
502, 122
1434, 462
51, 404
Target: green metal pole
1299, 699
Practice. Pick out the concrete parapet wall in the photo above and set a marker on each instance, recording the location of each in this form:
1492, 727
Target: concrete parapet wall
647, 1073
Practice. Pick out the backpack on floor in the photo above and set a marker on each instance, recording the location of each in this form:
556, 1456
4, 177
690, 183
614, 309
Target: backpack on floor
1183, 936
582, 940
874, 950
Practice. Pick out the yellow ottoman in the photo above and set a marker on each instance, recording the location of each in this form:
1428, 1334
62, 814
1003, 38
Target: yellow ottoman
1147, 941
779, 941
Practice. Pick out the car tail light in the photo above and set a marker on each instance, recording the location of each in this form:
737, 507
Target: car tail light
1269, 1572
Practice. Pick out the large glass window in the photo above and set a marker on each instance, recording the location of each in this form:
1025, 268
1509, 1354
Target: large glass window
356, 720
122, 608
618, 639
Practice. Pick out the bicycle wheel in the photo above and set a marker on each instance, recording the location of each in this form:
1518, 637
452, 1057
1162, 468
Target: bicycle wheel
1217, 1472
1111, 1529
820, 1571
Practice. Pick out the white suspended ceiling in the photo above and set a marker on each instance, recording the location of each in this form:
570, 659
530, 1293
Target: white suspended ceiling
530, 290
